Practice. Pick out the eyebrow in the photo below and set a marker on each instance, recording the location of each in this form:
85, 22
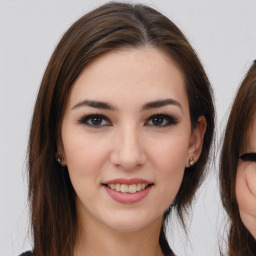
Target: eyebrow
94, 104
147, 106
161, 103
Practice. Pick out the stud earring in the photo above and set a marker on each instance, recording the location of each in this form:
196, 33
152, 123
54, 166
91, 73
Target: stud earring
192, 161
60, 160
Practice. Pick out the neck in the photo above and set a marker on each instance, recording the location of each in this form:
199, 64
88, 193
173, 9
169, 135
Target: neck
95, 239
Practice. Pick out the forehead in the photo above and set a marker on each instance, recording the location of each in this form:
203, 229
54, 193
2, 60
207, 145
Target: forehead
144, 73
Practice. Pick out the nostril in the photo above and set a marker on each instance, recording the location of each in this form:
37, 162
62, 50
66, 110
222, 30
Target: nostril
127, 151
128, 161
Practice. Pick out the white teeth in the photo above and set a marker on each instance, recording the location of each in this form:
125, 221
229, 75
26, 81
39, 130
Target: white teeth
118, 187
132, 189
124, 188
138, 187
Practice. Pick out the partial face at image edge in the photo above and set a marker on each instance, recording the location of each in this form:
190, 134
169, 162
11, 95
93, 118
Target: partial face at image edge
246, 180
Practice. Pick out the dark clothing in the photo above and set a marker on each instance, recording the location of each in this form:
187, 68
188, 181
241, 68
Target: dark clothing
26, 254
170, 253
167, 253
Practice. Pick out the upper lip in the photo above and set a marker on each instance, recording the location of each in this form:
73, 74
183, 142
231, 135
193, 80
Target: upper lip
128, 181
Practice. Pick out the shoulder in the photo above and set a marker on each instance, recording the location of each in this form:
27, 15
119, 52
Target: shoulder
28, 253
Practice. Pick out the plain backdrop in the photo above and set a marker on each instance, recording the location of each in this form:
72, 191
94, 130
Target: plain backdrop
222, 33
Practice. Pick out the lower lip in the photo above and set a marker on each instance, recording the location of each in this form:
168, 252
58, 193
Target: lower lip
128, 198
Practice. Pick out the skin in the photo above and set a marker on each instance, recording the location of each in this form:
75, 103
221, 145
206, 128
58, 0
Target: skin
246, 184
127, 145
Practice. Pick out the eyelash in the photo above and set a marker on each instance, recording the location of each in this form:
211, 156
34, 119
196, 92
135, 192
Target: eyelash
170, 120
167, 119
248, 157
85, 120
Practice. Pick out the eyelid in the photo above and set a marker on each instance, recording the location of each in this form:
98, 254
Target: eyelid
84, 120
169, 120
248, 157
172, 120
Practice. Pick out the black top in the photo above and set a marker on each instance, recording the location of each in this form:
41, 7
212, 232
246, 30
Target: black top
26, 254
169, 253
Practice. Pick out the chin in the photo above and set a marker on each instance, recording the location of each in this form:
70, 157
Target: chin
128, 227
125, 223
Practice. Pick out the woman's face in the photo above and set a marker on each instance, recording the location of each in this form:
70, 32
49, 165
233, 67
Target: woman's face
127, 127
246, 181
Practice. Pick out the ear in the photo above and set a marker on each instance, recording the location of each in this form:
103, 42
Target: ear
60, 154
196, 140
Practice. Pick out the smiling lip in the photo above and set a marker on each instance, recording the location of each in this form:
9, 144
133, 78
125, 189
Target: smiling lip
128, 198
128, 181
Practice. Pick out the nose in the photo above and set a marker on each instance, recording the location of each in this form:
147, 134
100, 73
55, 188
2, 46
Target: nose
128, 152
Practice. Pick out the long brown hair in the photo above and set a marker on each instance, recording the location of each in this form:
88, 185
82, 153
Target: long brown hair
240, 241
111, 26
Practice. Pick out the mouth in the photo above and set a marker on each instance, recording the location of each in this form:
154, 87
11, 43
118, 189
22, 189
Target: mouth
130, 189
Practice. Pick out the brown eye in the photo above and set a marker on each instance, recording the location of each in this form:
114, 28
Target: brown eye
95, 121
161, 120
157, 121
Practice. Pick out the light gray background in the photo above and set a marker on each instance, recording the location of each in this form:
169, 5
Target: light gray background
222, 32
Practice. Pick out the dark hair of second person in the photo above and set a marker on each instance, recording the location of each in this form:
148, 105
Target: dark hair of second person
237, 140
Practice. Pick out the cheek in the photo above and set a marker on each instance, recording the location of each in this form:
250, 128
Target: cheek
240, 189
84, 155
244, 190
169, 162
251, 178
79, 146
85, 159
170, 153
